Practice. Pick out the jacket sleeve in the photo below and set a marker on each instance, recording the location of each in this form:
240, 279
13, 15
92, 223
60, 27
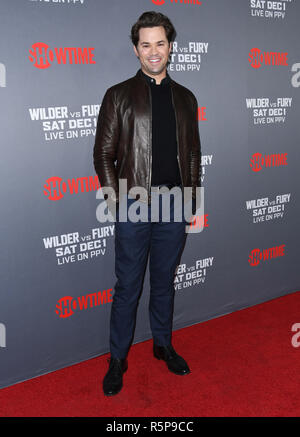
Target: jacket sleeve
106, 142
195, 159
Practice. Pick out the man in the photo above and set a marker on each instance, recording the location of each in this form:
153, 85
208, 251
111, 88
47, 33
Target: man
147, 134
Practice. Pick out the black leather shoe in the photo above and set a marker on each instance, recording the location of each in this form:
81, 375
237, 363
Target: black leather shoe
175, 362
113, 380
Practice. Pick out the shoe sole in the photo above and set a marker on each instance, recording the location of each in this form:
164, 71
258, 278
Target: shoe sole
113, 394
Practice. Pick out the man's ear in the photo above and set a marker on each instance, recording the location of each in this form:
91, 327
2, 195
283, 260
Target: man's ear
171, 47
135, 51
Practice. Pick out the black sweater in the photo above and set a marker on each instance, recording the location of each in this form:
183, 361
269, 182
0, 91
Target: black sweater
165, 168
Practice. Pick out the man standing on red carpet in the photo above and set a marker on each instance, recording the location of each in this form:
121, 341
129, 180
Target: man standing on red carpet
147, 134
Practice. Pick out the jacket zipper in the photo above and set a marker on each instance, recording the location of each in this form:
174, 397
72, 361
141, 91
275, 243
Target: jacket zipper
177, 136
150, 146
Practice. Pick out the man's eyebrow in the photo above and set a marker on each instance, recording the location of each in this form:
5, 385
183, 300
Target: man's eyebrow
146, 42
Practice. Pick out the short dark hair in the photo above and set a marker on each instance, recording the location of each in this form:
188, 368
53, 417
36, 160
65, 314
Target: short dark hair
152, 19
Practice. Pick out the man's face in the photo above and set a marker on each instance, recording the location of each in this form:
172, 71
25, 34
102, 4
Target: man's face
153, 50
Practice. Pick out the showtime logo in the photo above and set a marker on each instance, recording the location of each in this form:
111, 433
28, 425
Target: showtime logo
55, 187
183, 2
42, 56
66, 306
258, 161
256, 255
200, 221
258, 58
202, 113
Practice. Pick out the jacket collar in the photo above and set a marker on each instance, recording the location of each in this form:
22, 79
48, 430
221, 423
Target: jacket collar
150, 80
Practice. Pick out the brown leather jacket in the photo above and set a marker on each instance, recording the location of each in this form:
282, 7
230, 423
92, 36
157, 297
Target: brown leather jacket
124, 136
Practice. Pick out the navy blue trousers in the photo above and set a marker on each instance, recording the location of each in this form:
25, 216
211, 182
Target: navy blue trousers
164, 241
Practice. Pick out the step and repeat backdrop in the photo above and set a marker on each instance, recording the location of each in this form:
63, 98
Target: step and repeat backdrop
57, 58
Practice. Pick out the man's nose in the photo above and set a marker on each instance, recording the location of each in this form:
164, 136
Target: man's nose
153, 51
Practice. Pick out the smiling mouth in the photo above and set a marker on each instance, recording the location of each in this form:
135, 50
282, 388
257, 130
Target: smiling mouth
155, 61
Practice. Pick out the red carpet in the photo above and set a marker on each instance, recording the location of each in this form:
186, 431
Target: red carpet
242, 364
